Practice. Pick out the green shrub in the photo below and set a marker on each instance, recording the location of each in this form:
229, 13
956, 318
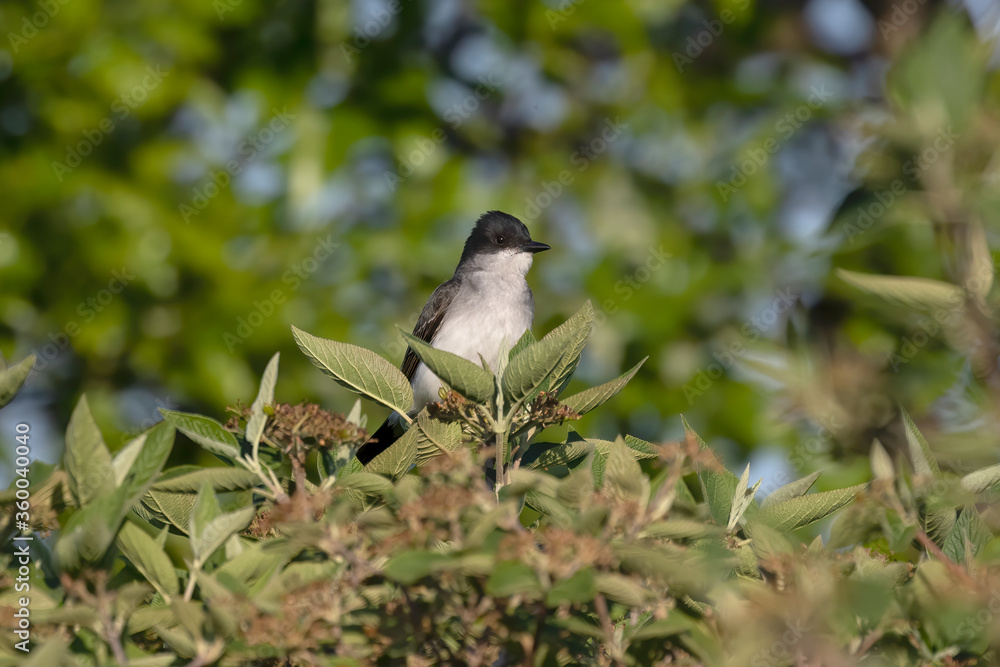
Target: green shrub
469, 542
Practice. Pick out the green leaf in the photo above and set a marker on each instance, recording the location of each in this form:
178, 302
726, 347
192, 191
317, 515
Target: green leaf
87, 459
549, 455
366, 482
90, 531
588, 399
435, 437
468, 379
218, 530
718, 488
804, 510
12, 378
579, 588
882, 466
149, 558
511, 577
982, 480
742, 497
675, 624
359, 370
265, 396
189, 479
157, 443
538, 367
399, 457
923, 459
527, 338
576, 330
204, 431
206, 508
620, 588
622, 476
968, 537
411, 566
791, 490
175, 507
922, 293
125, 458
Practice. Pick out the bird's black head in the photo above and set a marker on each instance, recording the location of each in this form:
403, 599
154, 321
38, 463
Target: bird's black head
497, 236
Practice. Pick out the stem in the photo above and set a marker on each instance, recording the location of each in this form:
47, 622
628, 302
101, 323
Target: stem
609, 631
952, 566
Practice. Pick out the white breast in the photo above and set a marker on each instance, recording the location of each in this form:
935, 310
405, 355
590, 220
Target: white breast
487, 317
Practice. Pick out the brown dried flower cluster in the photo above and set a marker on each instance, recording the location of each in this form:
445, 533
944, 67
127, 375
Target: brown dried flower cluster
314, 426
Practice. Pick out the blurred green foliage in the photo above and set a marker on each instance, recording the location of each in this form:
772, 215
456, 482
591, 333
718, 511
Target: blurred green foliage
700, 169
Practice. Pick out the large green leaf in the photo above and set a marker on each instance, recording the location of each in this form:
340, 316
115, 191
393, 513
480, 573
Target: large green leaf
982, 480
87, 459
539, 366
549, 455
12, 378
511, 577
923, 458
189, 479
791, 490
527, 338
579, 588
804, 510
579, 326
588, 399
360, 370
205, 431
435, 437
149, 558
622, 475
742, 498
215, 533
149, 461
399, 457
90, 531
265, 396
408, 567
912, 292
470, 380
968, 536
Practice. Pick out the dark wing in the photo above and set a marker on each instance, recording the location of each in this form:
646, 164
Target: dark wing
429, 322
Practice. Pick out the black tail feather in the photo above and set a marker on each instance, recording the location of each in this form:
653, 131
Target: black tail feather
378, 443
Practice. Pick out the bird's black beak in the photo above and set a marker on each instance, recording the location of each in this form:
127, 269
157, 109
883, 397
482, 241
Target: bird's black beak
535, 246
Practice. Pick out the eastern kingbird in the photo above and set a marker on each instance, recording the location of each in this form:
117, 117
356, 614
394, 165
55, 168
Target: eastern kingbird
487, 302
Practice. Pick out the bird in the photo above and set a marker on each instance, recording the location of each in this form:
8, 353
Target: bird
486, 304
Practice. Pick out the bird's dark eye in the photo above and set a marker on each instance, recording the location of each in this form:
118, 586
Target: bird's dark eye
501, 240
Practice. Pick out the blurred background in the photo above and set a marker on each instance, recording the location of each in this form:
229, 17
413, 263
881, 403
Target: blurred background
183, 181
